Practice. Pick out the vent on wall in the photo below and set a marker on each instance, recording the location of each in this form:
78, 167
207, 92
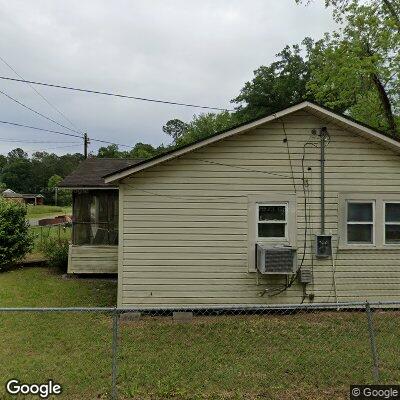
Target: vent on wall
278, 260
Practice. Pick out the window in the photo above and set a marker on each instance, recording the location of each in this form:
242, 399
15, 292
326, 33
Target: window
360, 222
371, 220
272, 221
392, 223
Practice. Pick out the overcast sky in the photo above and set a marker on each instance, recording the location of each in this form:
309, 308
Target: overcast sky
189, 51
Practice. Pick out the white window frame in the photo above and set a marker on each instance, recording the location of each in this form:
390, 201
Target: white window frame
285, 221
253, 203
379, 199
361, 222
388, 223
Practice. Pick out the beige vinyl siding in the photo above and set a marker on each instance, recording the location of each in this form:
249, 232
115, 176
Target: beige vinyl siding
185, 221
92, 259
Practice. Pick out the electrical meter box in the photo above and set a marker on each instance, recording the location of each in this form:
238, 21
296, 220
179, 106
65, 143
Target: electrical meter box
323, 246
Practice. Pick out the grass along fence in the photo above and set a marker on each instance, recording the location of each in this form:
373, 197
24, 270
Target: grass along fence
290, 352
59, 231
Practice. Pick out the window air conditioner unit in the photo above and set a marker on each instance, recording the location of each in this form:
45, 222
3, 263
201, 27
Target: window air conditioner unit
278, 260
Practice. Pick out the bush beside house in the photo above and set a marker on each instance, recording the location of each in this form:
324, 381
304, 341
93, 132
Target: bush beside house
15, 238
56, 252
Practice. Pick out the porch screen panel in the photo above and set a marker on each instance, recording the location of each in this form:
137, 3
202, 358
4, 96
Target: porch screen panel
81, 213
96, 218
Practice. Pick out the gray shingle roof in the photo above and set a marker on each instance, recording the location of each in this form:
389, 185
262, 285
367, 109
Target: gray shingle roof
8, 193
90, 172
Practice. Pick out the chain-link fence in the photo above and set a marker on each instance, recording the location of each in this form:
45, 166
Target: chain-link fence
272, 352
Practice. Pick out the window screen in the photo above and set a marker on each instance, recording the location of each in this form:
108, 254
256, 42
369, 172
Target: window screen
272, 221
392, 223
360, 222
95, 217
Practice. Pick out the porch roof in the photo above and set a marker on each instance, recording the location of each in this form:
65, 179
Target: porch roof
90, 173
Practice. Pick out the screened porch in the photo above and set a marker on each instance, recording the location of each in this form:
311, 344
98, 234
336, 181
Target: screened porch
95, 217
94, 247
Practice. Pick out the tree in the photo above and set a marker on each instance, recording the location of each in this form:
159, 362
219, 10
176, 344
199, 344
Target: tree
3, 162
18, 175
17, 154
175, 128
59, 196
275, 86
357, 68
143, 150
206, 124
391, 7
15, 239
110, 151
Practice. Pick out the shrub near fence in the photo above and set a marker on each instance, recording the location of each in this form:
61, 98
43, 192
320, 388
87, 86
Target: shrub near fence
295, 352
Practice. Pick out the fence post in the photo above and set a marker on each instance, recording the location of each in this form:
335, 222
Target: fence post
115, 324
374, 352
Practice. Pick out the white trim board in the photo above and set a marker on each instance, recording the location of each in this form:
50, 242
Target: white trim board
310, 107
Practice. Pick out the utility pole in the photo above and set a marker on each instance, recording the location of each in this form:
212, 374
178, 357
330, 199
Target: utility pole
85, 144
55, 195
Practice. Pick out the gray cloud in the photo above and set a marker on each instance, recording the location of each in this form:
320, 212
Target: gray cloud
188, 51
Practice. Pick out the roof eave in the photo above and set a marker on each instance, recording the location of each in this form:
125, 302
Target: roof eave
313, 108
88, 187
186, 149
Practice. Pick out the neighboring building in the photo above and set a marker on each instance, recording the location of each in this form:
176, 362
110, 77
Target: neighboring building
9, 194
198, 225
33, 199
94, 246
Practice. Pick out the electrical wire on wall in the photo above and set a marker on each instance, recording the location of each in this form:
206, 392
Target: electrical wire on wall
306, 195
310, 230
286, 140
334, 260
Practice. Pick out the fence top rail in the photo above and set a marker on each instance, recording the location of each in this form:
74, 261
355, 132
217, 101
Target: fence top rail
232, 308
58, 309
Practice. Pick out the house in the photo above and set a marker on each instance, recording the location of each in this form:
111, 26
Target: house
94, 246
302, 205
33, 199
10, 195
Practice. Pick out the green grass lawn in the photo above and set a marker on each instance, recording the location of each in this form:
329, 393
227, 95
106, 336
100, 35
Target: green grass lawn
36, 212
298, 356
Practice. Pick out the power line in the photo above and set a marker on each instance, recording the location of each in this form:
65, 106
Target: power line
51, 148
124, 145
114, 94
39, 94
8, 140
40, 129
38, 113
60, 133
105, 141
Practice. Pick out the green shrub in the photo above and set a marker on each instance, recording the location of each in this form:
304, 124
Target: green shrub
56, 252
15, 238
